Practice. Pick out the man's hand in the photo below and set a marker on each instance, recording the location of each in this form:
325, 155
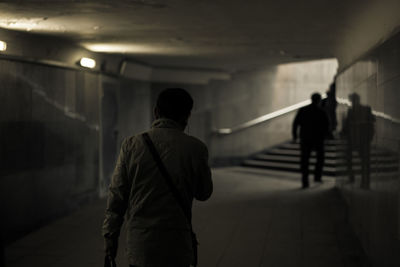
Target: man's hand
111, 247
111, 244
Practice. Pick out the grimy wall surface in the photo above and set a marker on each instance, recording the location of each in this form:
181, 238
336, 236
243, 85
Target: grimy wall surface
374, 147
60, 134
50, 130
49, 135
125, 111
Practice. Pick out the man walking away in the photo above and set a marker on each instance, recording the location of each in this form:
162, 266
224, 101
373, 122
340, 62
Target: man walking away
158, 226
314, 127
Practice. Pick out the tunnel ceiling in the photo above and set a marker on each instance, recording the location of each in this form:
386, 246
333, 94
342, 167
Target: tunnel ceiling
228, 35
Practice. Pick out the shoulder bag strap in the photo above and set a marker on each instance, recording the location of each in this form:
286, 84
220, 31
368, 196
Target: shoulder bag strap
185, 208
167, 177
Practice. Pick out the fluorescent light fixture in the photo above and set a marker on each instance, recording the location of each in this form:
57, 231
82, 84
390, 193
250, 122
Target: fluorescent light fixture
140, 49
87, 62
3, 46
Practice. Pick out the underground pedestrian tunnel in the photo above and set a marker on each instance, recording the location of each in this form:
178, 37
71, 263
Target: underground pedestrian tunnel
77, 77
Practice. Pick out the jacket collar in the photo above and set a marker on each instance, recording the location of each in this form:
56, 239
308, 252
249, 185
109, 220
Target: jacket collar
166, 123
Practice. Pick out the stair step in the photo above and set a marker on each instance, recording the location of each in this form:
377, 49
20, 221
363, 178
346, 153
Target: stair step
327, 170
332, 155
287, 159
328, 161
296, 153
328, 148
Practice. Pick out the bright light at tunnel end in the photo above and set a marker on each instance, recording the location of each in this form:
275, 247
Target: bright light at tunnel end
87, 62
3, 46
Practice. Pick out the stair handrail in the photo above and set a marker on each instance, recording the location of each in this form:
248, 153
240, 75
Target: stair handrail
376, 113
286, 110
264, 118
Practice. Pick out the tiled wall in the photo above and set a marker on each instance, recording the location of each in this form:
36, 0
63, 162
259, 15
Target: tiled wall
371, 182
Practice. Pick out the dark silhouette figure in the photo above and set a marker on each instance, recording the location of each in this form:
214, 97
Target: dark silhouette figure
329, 104
156, 178
314, 127
358, 130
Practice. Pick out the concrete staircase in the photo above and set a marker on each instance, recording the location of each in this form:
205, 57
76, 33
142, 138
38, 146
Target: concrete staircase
286, 157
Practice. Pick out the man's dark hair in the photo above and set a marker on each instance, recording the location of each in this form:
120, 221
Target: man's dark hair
316, 98
175, 104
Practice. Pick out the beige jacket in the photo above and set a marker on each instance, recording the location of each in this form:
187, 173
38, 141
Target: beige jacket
157, 229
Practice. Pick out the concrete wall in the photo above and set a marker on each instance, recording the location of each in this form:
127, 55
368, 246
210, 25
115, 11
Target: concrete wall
374, 199
365, 32
60, 133
248, 95
135, 108
49, 135
261, 92
125, 111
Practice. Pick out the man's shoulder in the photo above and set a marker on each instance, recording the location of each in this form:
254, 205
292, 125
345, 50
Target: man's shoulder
313, 109
306, 109
194, 142
129, 142
303, 110
188, 141
137, 138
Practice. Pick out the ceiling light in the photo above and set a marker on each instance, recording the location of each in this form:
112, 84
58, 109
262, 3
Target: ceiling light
3, 46
133, 48
87, 62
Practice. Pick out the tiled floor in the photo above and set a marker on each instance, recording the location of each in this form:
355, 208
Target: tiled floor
255, 218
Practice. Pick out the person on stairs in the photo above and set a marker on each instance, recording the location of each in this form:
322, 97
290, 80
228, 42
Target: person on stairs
314, 128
